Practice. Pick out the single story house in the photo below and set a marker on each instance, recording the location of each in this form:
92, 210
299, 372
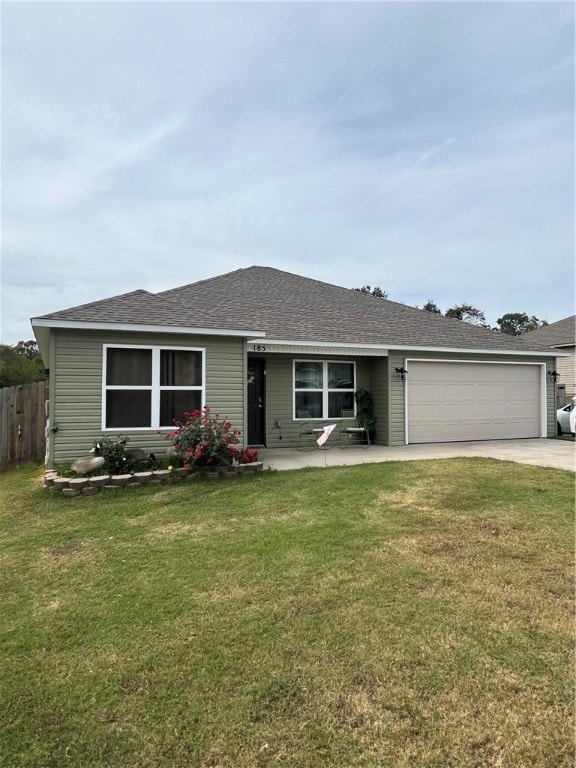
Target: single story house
560, 335
272, 350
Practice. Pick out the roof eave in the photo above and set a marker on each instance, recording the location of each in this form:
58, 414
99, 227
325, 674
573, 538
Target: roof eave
412, 348
42, 326
83, 325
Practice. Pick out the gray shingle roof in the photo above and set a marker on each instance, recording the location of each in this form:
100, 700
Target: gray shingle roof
559, 334
290, 307
137, 308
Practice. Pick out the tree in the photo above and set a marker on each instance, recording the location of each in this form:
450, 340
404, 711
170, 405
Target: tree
20, 364
468, 314
516, 323
512, 323
28, 349
430, 306
376, 291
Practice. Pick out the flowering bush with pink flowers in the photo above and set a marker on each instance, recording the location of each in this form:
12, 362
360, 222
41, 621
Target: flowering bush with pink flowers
248, 456
204, 440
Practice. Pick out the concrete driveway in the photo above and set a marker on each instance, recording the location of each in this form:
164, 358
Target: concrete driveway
559, 454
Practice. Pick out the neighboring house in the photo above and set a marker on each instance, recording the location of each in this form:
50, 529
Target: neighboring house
560, 335
266, 348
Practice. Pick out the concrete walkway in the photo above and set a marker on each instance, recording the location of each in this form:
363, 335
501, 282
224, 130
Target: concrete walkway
559, 454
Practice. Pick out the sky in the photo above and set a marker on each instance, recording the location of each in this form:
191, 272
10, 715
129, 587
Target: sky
423, 147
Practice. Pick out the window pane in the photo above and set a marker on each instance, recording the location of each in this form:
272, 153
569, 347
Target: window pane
311, 402
340, 375
338, 402
180, 369
308, 376
129, 367
174, 404
128, 408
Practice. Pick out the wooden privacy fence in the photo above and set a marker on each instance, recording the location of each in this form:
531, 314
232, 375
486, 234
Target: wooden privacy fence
22, 423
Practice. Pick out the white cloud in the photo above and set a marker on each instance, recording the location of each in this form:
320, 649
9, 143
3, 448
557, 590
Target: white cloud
427, 148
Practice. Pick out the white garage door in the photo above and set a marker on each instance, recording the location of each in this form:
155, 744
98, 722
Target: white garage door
472, 401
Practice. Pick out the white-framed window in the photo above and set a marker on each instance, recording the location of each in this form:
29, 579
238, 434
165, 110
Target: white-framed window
323, 389
147, 387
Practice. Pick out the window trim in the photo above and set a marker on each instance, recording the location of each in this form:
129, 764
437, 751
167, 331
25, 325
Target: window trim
325, 389
155, 388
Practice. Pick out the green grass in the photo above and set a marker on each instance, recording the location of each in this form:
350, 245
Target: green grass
415, 614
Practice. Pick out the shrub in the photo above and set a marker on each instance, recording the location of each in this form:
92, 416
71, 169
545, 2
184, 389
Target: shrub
248, 455
204, 440
116, 460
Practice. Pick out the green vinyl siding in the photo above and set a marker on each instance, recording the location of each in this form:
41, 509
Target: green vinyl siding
551, 405
379, 388
76, 386
397, 404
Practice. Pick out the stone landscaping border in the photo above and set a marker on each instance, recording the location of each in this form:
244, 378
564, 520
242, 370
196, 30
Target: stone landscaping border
89, 486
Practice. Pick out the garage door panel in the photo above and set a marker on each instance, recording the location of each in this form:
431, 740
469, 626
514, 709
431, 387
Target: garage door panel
472, 401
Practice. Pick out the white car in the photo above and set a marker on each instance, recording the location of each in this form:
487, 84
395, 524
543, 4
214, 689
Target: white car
564, 422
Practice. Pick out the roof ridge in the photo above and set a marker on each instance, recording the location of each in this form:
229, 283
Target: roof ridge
202, 282
251, 268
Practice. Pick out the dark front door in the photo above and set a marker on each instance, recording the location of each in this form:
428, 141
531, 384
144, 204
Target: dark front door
256, 404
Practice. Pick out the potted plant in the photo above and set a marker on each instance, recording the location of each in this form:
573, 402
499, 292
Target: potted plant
365, 411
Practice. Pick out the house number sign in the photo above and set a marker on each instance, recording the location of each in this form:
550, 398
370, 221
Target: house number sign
259, 348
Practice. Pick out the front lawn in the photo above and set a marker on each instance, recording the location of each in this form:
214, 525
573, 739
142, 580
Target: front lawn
415, 614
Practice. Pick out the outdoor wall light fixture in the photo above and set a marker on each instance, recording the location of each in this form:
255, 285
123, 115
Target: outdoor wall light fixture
554, 376
401, 373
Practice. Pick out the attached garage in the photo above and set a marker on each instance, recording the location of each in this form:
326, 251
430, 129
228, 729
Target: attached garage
456, 401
